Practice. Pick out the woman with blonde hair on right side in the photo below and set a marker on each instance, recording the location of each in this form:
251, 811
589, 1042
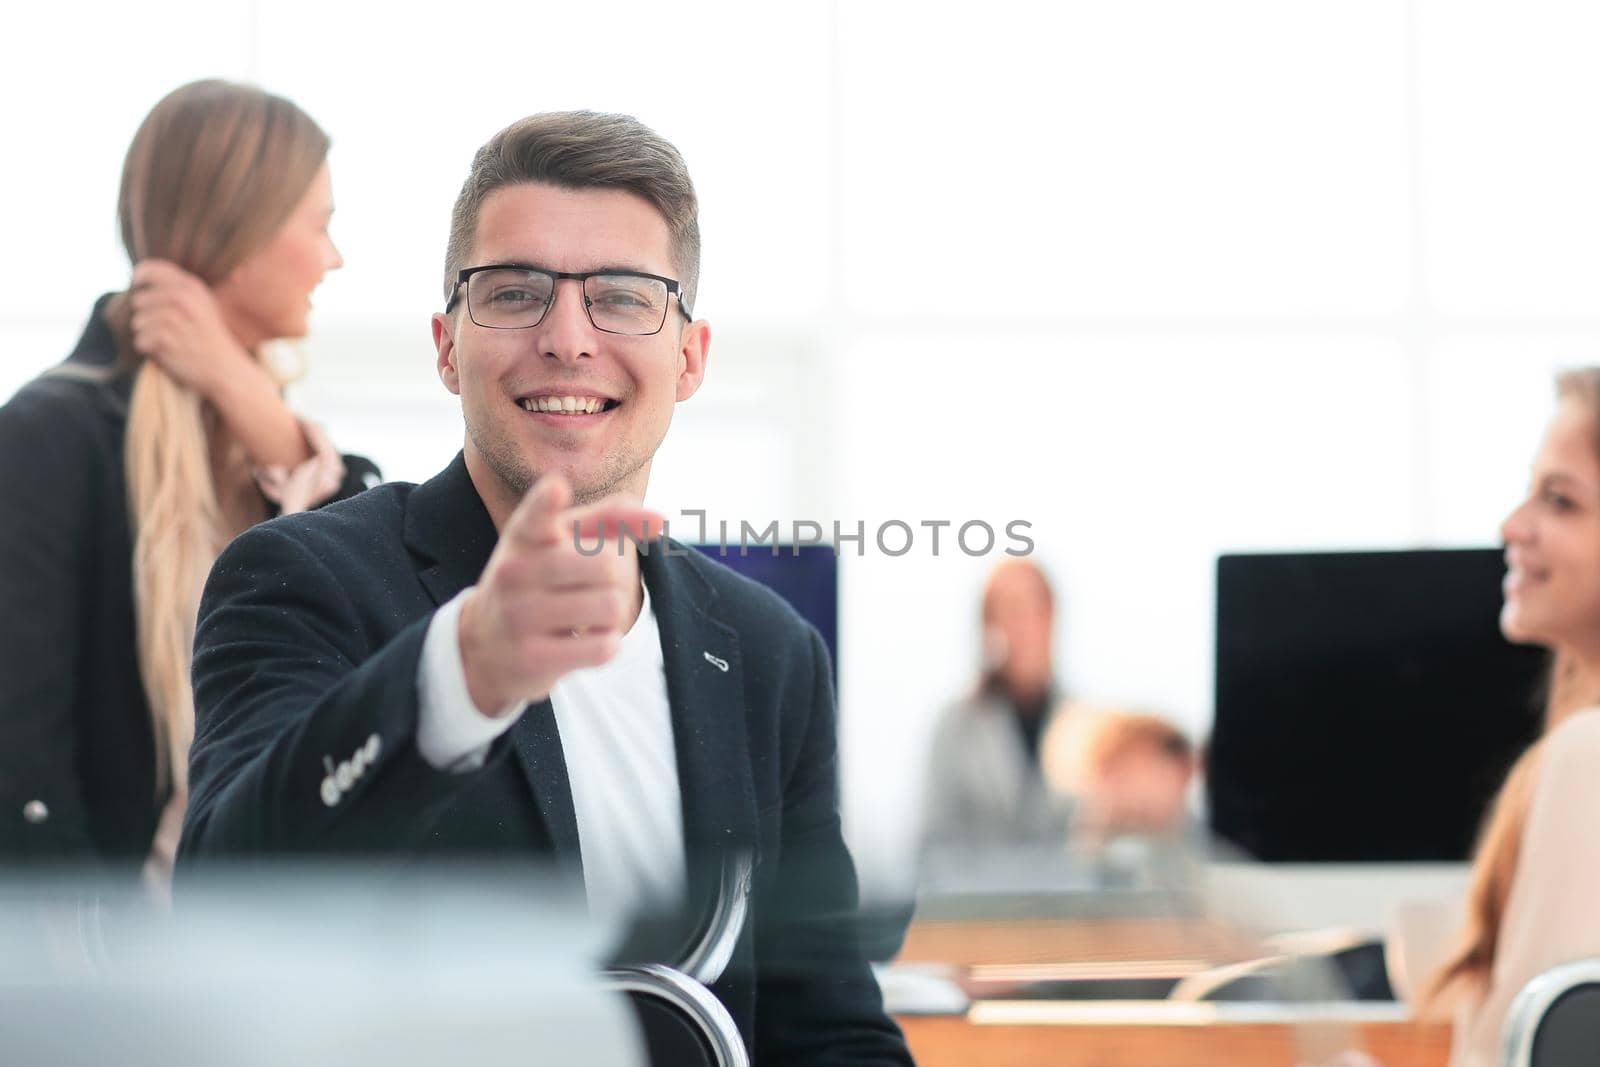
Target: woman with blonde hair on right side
125, 469
1532, 900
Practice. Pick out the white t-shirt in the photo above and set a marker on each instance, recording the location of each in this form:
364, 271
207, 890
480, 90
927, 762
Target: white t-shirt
616, 735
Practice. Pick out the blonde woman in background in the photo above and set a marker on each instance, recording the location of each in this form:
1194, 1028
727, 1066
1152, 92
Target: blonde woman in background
125, 469
1531, 903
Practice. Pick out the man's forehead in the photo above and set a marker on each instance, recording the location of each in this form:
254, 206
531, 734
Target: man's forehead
572, 229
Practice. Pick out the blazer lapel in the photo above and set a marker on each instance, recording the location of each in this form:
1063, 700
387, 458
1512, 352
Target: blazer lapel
537, 743
449, 531
705, 687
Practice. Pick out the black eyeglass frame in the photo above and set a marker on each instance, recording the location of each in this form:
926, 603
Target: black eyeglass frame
674, 289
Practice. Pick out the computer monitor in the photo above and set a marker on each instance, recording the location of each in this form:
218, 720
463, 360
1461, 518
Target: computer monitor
1367, 707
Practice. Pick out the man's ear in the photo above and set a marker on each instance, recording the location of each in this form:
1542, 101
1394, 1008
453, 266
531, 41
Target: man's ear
694, 348
445, 343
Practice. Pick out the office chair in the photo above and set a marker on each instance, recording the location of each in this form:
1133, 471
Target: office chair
684, 1024
1555, 1020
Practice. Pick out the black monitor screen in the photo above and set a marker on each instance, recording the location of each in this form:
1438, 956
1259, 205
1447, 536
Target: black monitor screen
1367, 707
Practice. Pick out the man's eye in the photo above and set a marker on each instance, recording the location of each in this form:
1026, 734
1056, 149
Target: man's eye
623, 298
513, 296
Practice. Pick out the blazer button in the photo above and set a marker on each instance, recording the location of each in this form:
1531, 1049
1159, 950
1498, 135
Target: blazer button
35, 811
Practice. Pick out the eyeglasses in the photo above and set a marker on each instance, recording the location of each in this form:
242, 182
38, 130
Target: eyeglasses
510, 296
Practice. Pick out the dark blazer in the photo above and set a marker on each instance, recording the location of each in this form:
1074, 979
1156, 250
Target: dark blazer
77, 753
310, 633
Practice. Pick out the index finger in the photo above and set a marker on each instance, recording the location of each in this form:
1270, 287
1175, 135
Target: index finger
534, 518
612, 519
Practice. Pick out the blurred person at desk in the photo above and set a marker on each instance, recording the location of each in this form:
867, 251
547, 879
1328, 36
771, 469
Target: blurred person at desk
1531, 901
985, 789
125, 469
1129, 776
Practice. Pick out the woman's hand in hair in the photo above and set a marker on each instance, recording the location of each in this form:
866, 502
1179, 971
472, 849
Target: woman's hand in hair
177, 323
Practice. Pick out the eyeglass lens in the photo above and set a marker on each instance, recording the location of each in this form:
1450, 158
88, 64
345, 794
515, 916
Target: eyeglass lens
616, 303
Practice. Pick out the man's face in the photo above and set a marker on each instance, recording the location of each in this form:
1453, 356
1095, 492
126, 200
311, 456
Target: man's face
500, 374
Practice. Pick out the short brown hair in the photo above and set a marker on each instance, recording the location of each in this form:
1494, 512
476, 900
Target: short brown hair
582, 150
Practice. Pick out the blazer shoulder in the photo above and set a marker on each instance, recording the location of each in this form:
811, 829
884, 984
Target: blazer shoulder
54, 411
59, 438
365, 528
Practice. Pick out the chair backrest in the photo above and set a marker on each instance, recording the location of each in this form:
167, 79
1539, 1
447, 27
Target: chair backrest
708, 956
684, 1024
1555, 1020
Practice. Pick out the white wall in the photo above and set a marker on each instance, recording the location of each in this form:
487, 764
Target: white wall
1164, 279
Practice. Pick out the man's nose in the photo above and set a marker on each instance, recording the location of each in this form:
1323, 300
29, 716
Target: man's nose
566, 332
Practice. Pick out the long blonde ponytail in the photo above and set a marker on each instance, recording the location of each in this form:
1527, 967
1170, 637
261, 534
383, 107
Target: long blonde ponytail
213, 172
176, 525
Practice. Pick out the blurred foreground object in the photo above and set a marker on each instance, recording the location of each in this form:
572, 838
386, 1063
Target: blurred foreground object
307, 967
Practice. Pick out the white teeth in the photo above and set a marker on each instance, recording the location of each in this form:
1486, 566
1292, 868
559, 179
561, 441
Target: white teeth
565, 405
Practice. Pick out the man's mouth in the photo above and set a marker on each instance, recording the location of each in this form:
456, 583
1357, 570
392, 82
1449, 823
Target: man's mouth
567, 404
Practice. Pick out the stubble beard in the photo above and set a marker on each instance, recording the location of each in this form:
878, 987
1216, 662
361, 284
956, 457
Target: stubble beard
513, 471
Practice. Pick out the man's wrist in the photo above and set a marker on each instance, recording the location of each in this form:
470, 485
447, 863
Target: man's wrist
486, 699
452, 734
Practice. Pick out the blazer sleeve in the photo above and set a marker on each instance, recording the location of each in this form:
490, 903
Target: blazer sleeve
305, 726
817, 1001
47, 483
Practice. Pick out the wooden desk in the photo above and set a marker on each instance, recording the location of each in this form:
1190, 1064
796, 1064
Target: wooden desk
967, 943
1097, 1038
1156, 1033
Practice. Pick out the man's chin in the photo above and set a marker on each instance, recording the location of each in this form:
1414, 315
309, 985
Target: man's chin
588, 489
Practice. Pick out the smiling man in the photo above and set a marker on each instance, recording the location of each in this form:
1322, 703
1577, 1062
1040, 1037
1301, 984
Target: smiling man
450, 669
